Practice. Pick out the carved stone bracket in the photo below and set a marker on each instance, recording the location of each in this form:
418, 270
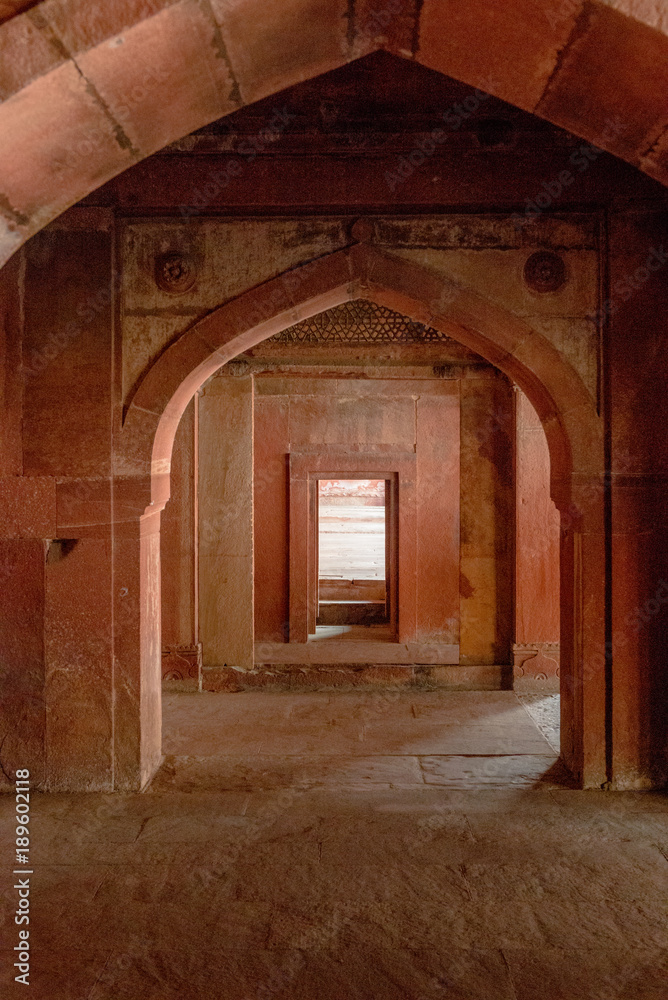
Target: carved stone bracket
182, 663
536, 666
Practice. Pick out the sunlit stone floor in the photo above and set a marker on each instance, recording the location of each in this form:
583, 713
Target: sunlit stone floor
398, 845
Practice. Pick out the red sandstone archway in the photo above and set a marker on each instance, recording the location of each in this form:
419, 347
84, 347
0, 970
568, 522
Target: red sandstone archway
89, 89
572, 426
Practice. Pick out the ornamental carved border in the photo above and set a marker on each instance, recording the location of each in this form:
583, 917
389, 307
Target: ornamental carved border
360, 322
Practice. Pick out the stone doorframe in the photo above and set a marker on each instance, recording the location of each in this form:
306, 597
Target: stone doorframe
399, 470
573, 429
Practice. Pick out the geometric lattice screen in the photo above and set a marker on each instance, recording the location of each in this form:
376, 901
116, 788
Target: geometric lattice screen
359, 322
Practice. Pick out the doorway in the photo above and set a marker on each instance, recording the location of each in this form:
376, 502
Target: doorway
353, 552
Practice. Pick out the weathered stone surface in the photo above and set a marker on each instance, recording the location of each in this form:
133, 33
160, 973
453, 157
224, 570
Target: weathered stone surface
326, 870
507, 49
27, 507
67, 355
26, 55
165, 78
259, 34
486, 505
22, 657
78, 655
82, 27
226, 522
537, 539
607, 84
82, 152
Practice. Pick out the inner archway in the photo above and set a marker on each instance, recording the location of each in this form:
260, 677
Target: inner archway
571, 425
362, 607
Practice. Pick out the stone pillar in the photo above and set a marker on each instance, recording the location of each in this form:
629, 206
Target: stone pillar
537, 542
181, 650
583, 668
487, 502
226, 522
634, 315
78, 649
67, 418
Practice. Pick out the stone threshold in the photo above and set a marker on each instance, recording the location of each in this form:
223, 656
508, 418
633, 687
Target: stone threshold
345, 675
348, 652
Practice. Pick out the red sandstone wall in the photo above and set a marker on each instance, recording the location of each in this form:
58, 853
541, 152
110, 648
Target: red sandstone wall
56, 624
271, 480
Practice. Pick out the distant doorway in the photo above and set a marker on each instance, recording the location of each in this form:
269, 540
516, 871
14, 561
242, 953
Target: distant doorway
353, 553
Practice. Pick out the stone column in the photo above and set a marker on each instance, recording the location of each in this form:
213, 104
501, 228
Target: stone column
634, 317
536, 646
226, 522
584, 681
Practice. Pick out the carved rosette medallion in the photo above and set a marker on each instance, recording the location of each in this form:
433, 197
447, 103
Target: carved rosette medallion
175, 273
545, 271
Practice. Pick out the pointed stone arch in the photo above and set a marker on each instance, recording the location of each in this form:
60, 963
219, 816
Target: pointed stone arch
573, 429
89, 90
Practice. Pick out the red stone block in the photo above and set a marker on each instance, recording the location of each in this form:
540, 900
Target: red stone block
82, 26
164, 78
387, 674
63, 146
67, 352
390, 24
84, 508
537, 533
178, 538
10, 8
508, 48
25, 54
273, 44
271, 445
612, 84
131, 497
79, 656
22, 656
11, 396
27, 507
437, 508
